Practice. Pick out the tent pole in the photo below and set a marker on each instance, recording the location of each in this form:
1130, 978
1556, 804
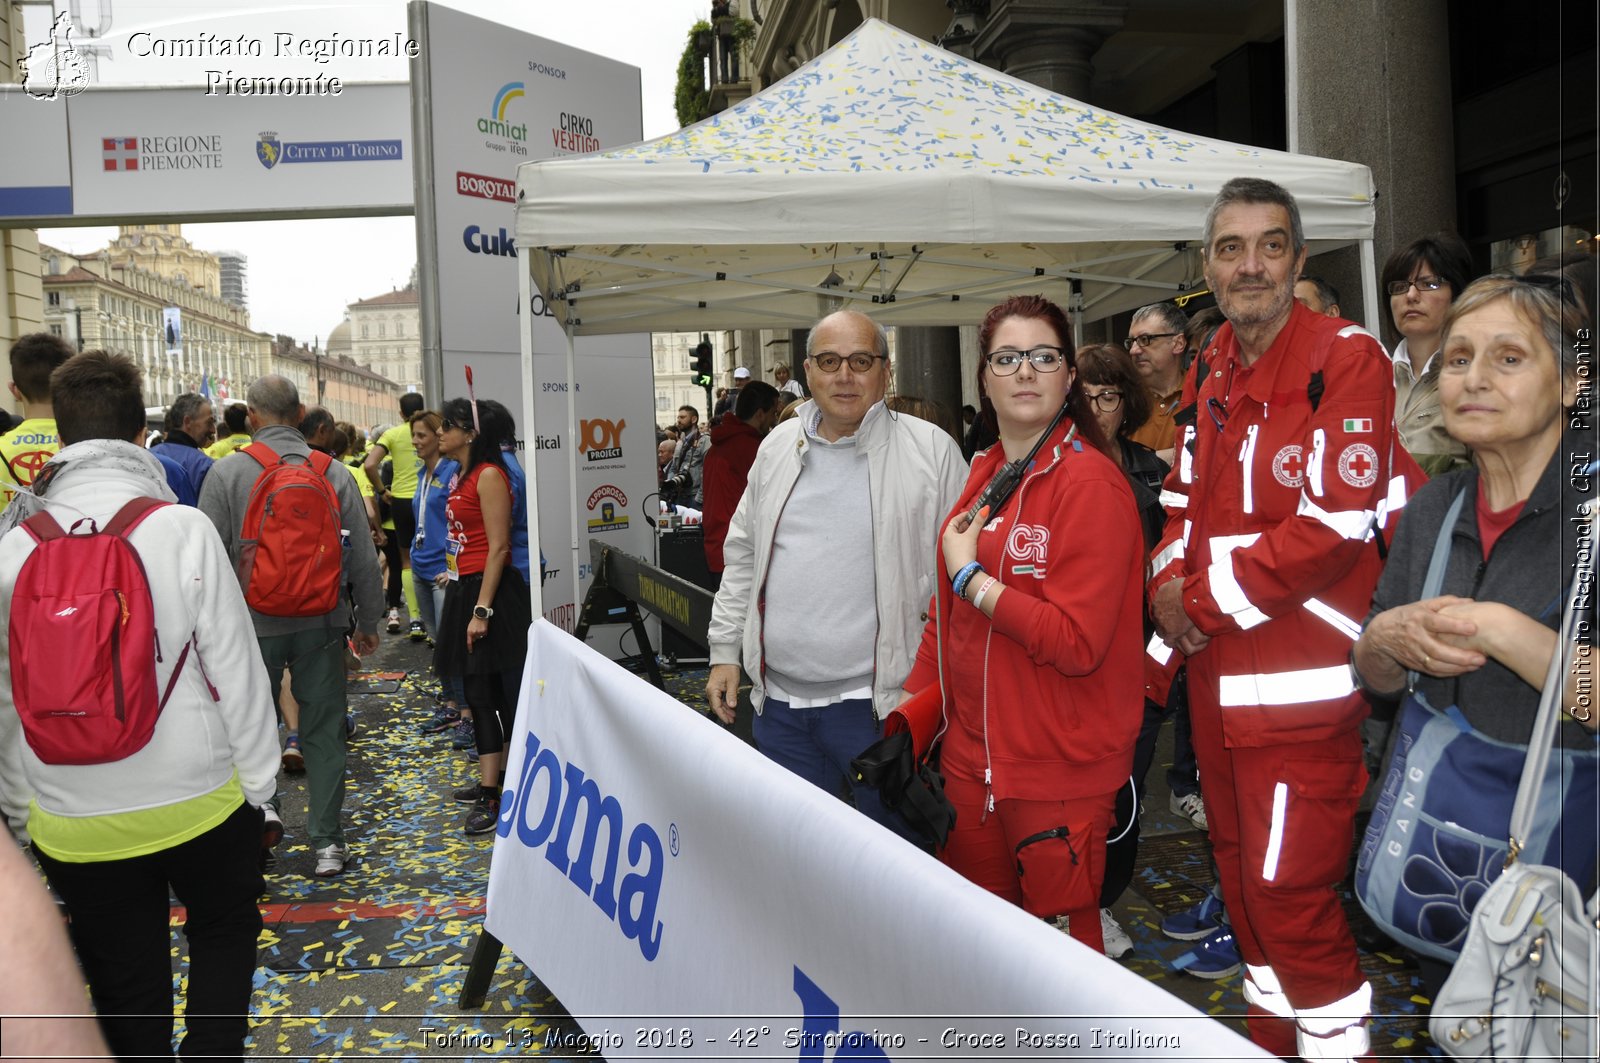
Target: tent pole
530, 434
1369, 289
575, 441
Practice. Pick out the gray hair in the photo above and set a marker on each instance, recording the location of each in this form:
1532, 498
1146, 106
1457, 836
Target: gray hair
1547, 302
1255, 190
880, 338
1172, 317
184, 407
275, 398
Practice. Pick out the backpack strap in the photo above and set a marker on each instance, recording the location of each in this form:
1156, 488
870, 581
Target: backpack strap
320, 462
132, 514
43, 527
265, 456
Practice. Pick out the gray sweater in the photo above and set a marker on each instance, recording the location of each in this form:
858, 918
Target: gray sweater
226, 495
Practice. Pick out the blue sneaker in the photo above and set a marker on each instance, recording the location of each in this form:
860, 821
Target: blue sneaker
443, 719
1215, 957
1198, 922
463, 737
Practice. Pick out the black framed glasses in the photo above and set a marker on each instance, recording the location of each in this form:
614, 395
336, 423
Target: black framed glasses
1424, 284
1007, 361
1108, 401
860, 362
1140, 342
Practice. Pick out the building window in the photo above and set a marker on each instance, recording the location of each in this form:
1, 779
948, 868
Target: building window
53, 298
663, 401
364, 331
383, 330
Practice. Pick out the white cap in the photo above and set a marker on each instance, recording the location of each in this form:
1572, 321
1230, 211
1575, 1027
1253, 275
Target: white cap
741, 373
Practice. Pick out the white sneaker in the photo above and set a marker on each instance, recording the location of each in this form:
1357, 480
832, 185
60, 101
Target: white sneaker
1192, 808
1118, 943
394, 621
271, 827
331, 861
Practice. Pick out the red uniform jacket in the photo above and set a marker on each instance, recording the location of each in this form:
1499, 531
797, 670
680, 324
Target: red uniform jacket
1047, 697
727, 468
1271, 512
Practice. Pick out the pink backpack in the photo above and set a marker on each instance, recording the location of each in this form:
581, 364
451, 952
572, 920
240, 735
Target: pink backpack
83, 641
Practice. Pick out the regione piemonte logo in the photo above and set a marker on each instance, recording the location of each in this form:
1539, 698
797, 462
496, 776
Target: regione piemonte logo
119, 153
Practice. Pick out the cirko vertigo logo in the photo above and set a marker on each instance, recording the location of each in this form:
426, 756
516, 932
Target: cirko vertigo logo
543, 809
54, 67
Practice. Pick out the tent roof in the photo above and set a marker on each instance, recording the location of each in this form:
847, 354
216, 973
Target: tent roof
891, 173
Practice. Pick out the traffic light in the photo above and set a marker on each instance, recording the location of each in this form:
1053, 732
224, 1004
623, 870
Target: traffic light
702, 364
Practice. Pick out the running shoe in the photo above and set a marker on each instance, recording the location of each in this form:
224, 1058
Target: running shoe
442, 720
463, 737
483, 817
418, 632
394, 621
294, 761
468, 795
1117, 942
271, 827
1215, 957
1197, 922
1191, 808
331, 860
350, 726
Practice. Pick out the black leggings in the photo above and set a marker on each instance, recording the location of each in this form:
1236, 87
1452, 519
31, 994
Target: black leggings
493, 698
394, 597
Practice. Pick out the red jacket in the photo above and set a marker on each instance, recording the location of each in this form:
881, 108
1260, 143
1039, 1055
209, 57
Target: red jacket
727, 467
1048, 696
1270, 521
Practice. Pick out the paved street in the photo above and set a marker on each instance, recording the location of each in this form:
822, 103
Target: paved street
372, 962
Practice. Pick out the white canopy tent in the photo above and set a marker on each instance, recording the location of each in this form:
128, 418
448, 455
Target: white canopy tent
895, 177
891, 176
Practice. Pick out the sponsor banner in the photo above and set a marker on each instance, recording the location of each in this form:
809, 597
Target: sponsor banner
646, 856
36, 183
172, 329
485, 187
175, 152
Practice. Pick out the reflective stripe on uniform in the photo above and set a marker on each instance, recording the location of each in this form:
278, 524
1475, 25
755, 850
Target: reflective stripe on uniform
1298, 687
1349, 523
1262, 989
1347, 627
1337, 1030
1394, 501
1319, 443
1230, 596
1173, 552
1185, 458
1174, 500
1247, 458
1280, 806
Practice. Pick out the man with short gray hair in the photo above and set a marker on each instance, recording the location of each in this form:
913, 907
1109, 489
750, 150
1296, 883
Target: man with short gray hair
1157, 344
311, 647
190, 422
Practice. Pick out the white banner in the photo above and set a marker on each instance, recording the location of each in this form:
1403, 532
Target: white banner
177, 151
172, 330
684, 897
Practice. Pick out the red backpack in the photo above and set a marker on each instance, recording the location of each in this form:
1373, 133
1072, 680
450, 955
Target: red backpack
83, 641
290, 548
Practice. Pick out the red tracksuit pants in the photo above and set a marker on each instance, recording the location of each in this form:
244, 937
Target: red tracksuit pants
1282, 830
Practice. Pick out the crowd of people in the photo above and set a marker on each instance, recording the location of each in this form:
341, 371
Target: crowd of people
1226, 521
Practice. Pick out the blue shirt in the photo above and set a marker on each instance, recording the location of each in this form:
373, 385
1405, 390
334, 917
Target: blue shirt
427, 549
519, 515
179, 481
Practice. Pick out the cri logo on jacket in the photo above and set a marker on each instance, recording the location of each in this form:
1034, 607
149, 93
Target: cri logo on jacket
1029, 543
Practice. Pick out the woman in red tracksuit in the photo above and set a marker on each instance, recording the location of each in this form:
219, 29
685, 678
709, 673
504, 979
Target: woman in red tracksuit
1036, 638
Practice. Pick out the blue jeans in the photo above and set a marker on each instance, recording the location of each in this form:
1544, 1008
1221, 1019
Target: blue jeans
818, 745
430, 599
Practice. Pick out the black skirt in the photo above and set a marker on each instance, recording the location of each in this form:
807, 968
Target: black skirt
506, 644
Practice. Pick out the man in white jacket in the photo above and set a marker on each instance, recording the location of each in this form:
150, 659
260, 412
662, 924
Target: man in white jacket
182, 812
830, 563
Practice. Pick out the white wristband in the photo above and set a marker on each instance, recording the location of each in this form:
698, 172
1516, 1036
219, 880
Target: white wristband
977, 599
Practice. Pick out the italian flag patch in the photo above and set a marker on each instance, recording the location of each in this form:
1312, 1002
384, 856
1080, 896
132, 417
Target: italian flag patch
1358, 424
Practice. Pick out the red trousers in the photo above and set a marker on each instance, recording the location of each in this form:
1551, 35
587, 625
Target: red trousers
1282, 830
1046, 857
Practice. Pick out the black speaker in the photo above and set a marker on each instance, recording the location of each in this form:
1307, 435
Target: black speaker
682, 552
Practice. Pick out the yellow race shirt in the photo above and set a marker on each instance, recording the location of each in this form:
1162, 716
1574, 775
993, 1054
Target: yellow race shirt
397, 441
223, 447
24, 451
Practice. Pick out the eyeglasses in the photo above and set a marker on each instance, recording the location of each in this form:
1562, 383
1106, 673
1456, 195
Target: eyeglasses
1006, 361
1424, 284
1141, 342
445, 424
860, 362
1108, 401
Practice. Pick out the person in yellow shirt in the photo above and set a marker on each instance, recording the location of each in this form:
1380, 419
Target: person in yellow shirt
395, 444
233, 418
25, 449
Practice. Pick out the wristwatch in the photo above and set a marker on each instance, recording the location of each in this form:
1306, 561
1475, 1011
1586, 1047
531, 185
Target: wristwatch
482, 612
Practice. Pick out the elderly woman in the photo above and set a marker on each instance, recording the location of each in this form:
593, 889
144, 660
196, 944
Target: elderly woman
1036, 639
1508, 374
1422, 280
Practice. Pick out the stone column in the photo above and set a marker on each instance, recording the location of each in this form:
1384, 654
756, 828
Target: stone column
927, 365
1048, 42
1395, 117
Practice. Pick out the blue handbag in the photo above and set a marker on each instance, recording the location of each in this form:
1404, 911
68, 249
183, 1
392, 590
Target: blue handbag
1438, 833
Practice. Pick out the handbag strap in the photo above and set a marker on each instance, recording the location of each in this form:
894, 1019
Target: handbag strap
1434, 580
1555, 684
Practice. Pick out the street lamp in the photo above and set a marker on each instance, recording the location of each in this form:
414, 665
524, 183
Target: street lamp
316, 352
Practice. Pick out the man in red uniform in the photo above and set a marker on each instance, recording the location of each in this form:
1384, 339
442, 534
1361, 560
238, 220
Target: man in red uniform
1280, 480
734, 441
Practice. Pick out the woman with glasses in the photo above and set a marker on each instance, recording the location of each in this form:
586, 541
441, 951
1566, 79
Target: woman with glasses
1422, 280
1035, 639
1509, 379
483, 623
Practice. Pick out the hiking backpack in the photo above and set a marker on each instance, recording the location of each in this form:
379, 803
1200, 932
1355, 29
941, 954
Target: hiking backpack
290, 548
83, 641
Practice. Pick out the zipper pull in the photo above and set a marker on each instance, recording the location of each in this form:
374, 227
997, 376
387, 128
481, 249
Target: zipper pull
158, 647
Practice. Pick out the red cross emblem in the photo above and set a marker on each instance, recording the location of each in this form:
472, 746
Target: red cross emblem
119, 153
1358, 465
1289, 466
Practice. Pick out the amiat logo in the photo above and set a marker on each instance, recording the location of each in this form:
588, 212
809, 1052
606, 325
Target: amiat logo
495, 124
550, 818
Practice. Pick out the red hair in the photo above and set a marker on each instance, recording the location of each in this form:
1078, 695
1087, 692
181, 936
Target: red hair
1039, 308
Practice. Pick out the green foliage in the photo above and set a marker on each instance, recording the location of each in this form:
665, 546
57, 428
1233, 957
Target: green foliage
692, 99
743, 30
